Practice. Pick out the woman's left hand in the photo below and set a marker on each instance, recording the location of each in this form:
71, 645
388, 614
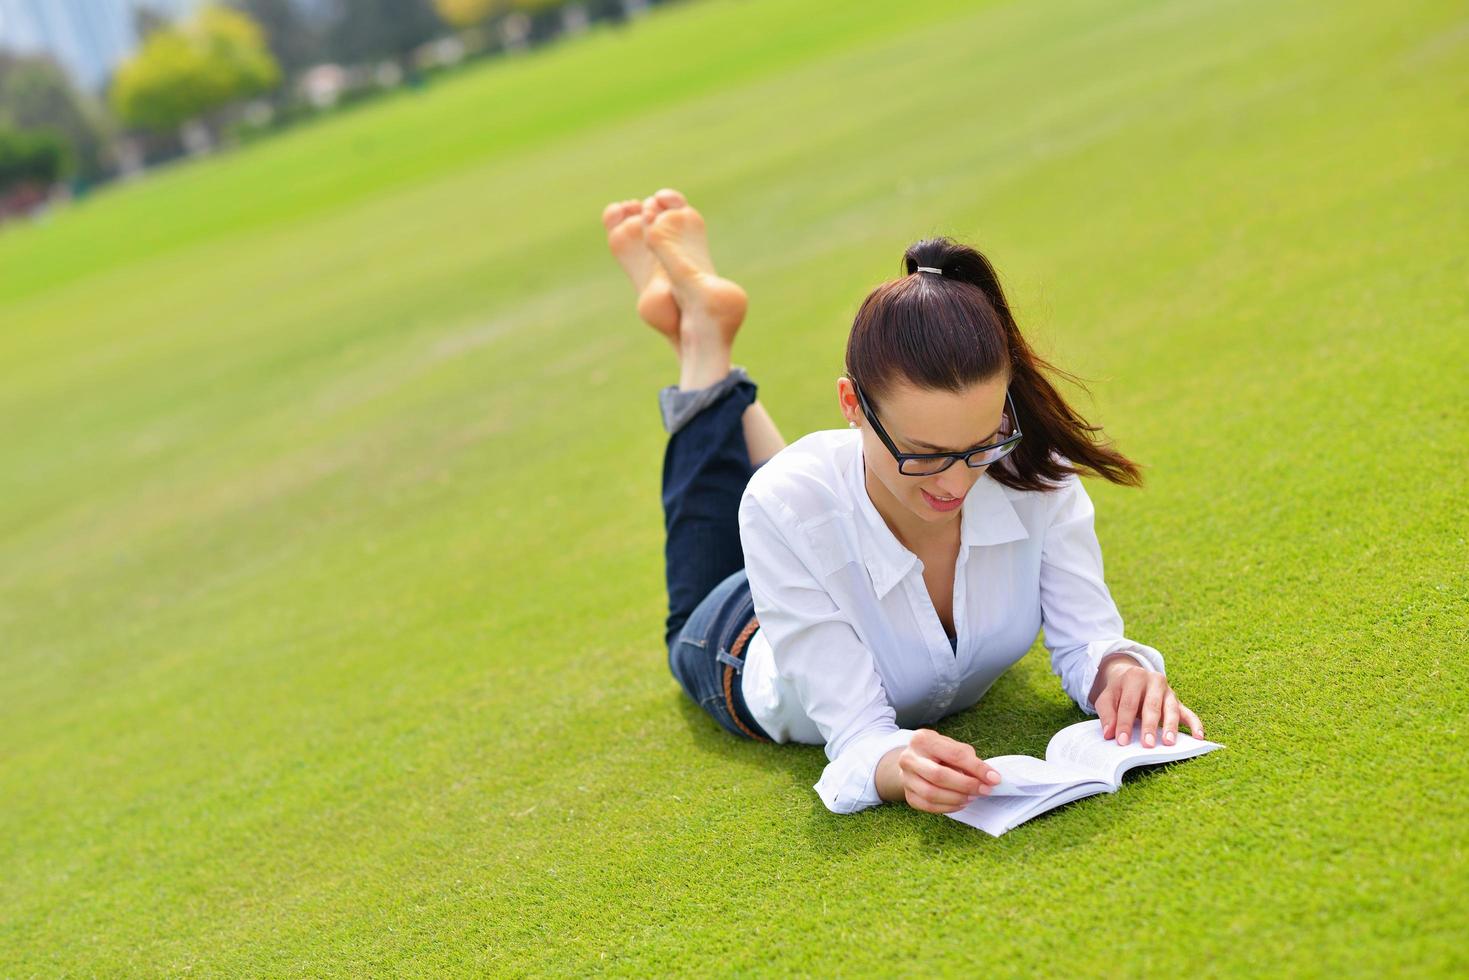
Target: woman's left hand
1135, 693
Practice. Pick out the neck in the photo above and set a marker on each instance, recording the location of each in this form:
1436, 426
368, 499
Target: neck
913, 533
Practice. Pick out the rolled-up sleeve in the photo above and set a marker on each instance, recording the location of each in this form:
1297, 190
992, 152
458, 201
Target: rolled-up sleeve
1080, 622
819, 654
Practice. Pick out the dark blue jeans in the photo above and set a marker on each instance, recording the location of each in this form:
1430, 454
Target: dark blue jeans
710, 613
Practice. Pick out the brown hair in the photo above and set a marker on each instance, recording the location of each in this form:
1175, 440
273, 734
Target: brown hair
954, 330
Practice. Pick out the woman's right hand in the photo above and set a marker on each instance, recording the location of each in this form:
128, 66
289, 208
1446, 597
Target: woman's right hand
940, 775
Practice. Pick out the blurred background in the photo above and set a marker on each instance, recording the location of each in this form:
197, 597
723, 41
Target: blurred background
96, 90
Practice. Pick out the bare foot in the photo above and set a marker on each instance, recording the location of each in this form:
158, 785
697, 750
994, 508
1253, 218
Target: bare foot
711, 307
624, 223
675, 233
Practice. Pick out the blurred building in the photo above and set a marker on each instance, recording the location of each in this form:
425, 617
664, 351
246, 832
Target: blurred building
87, 37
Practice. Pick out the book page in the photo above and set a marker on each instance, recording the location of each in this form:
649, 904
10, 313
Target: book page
1082, 746
995, 815
1022, 775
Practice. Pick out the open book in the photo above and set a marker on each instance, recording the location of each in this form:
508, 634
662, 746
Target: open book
1079, 762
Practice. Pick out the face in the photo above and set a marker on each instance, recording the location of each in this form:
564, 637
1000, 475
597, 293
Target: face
924, 420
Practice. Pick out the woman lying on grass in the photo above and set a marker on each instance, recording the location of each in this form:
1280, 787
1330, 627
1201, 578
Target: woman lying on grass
860, 582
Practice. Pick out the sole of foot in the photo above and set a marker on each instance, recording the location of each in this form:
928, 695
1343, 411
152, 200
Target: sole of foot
674, 232
656, 305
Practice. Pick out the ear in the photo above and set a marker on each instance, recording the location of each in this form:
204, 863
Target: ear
847, 401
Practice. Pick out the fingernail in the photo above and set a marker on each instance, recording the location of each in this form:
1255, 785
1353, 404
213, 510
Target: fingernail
992, 776
1121, 738
1168, 737
1148, 740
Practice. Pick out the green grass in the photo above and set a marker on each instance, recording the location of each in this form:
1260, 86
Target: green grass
330, 548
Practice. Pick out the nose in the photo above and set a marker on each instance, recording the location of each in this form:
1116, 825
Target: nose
952, 484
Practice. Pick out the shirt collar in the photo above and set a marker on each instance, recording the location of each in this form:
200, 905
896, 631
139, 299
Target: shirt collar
988, 518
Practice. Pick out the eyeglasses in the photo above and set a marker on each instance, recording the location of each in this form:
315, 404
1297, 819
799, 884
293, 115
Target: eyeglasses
927, 464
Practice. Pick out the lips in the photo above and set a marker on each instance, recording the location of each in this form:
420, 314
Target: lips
941, 503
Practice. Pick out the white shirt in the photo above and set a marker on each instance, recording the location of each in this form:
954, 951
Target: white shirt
850, 652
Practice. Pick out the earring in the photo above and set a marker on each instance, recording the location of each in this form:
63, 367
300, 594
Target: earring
851, 425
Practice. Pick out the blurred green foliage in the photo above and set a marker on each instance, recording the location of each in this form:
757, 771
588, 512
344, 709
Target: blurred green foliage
36, 94
34, 157
188, 71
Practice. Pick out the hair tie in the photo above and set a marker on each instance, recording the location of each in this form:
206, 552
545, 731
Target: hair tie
929, 268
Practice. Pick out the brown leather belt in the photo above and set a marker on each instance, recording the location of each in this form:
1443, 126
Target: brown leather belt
736, 650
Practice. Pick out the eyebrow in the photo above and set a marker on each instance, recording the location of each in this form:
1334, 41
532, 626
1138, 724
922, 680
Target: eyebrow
937, 449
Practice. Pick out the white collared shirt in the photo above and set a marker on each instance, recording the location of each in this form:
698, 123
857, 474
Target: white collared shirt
850, 652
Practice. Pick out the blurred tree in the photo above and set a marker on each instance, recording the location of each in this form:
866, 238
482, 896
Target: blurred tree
548, 18
146, 20
189, 72
293, 39
519, 22
362, 31
467, 13
35, 93
37, 158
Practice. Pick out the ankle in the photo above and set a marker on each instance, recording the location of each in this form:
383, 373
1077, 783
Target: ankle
702, 359
696, 345
695, 373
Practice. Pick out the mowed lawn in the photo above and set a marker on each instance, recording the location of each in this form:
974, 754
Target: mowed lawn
331, 593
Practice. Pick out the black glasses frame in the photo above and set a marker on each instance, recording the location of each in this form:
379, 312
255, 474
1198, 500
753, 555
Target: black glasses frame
1008, 443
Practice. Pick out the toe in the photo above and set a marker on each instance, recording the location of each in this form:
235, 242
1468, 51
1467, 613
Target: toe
670, 198
612, 214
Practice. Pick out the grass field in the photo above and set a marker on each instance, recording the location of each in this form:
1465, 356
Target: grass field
331, 556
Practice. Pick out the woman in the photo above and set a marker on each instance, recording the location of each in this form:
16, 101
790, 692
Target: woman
861, 582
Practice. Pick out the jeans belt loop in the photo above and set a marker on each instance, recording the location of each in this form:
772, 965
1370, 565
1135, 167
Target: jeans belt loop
733, 656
